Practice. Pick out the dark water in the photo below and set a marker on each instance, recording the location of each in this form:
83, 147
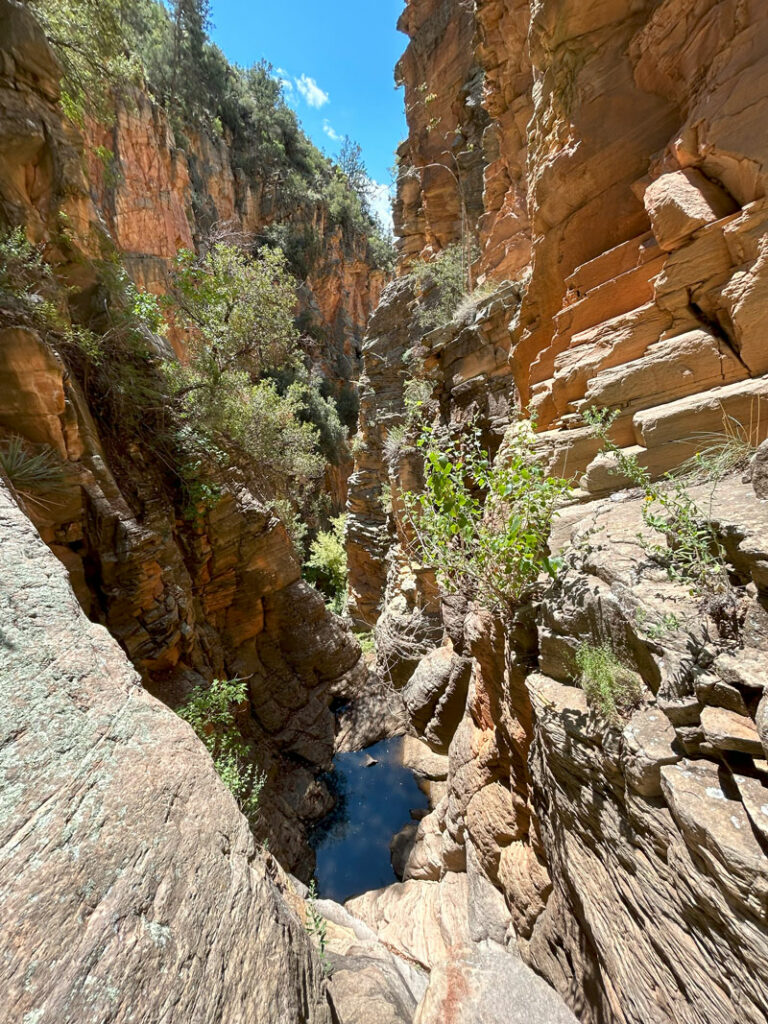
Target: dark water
352, 844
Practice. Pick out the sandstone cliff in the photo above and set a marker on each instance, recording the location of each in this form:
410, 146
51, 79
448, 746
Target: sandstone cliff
189, 598
621, 229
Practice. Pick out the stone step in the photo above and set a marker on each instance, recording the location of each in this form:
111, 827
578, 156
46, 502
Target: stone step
620, 297
612, 263
612, 343
744, 403
671, 369
621, 294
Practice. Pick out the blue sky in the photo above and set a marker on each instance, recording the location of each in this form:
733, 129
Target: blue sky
337, 60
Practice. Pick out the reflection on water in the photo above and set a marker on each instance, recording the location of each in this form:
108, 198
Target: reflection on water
374, 803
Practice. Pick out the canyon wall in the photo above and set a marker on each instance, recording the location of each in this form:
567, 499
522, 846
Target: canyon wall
621, 235
156, 197
132, 885
191, 595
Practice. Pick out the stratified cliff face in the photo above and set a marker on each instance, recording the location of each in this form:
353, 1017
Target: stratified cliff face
624, 200
190, 599
157, 198
132, 889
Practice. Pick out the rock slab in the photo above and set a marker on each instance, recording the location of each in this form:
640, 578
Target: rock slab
131, 888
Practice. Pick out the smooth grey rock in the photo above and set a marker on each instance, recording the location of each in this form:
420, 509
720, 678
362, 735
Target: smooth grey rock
759, 468
131, 888
488, 985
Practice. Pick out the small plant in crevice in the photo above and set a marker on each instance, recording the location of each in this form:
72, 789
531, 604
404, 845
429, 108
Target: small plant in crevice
691, 553
663, 628
317, 927
31, 471
395, 443
417, 391
212, 713
484, 524
611, 688
367, 642
444, 282
385, 499
726, 451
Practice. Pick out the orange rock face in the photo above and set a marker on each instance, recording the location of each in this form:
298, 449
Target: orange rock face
153, 208
627, 187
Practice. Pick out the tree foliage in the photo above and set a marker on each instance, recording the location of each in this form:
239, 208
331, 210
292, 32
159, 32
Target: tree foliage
238, 312
484, 525
212, 713
326, 566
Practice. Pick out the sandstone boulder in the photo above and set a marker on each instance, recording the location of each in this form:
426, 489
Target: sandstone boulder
680, 202
487, 985
436, 696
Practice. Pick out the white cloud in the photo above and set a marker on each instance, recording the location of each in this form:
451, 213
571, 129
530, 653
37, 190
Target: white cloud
332, 134
312, 92
379, 198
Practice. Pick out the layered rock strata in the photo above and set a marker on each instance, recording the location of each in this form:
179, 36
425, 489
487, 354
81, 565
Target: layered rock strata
629, 184
624, 193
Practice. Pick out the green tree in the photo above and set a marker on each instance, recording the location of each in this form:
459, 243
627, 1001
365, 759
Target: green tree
238, 313
89, 40
352, 164
190, 36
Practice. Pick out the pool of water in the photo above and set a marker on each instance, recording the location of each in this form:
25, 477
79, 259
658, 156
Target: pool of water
352, 844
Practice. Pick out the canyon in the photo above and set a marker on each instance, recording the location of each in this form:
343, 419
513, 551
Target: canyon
602, 170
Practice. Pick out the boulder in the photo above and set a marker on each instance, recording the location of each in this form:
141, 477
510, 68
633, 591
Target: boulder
760, 471
726, 730
422, 921
681, 202
436, 696
487, 985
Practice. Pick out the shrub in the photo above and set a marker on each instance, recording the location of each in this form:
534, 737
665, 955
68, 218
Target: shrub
326, 566
394, 442
367, 643
484, 525
317, 926
444, 281
611, 688
211, 711
692, 553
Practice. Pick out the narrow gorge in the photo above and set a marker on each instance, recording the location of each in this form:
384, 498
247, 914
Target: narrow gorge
435, 563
